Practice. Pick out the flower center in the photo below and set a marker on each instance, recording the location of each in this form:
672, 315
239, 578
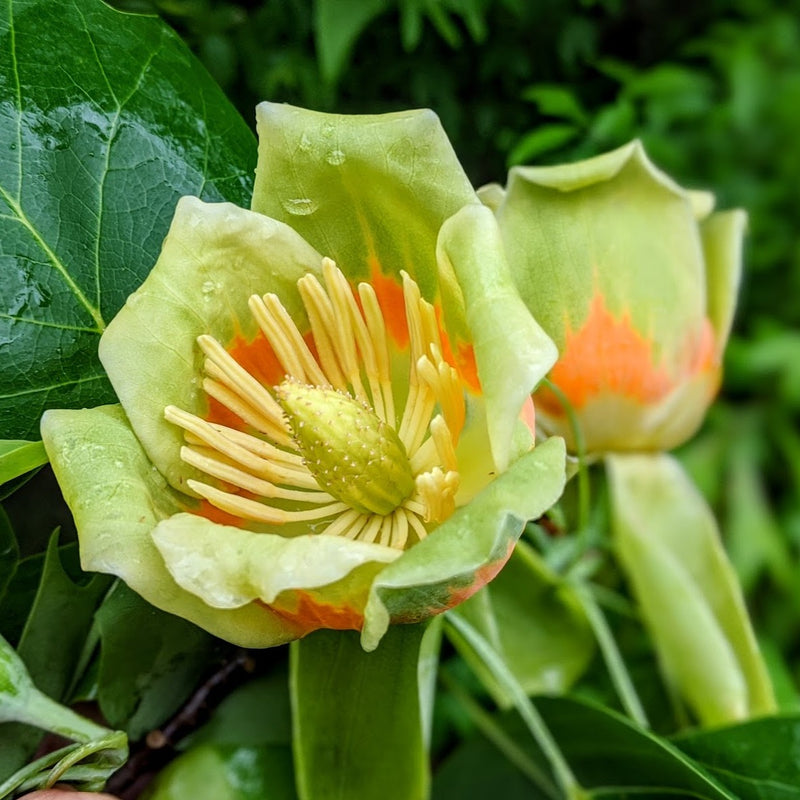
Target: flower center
327, 443
352, 453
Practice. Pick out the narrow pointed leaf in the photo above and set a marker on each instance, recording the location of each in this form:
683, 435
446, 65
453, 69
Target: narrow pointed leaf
18, 457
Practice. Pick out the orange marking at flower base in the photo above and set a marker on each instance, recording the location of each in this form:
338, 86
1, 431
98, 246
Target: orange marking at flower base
608, 356
483, 575
463, 359
392, 303
309, 615
703, 357
259, 359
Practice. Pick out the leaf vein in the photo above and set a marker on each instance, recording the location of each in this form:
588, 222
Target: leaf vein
20, 216
44, 324
40, 389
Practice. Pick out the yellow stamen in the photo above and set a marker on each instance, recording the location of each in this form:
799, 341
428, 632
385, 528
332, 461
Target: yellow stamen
327, 436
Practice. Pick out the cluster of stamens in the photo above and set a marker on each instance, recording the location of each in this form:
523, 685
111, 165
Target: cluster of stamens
327, 443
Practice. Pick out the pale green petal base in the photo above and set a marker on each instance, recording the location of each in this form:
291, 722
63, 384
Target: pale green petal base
669, 546
612, 423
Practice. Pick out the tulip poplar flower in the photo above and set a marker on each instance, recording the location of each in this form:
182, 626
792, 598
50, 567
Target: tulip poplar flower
323, 399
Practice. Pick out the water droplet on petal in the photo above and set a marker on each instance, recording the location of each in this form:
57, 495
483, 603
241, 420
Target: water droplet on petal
335, 158
300, 206
210, 288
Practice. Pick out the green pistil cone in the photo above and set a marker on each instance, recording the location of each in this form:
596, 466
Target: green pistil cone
352, 453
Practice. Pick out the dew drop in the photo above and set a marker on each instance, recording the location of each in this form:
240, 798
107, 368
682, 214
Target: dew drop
210, 287
300, 206
335, 158
305, 142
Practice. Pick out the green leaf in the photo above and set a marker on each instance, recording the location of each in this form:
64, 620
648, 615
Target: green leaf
337, 26
19, 595
228, 772
556, 101
476, 769
535, 622
244, 751
358, 729
540, 141
756, 760
9, 553
51, 644
669, 546
607, 751
105, 121
18, 457
149, 661
58, 624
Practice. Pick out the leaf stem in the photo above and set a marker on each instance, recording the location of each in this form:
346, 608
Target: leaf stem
584, 487
615, 664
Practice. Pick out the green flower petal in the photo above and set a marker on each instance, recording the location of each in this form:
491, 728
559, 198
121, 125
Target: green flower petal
228, 567
512, 351
117, 498
368, 191
572, 232
214, 257
467, 550
723, 235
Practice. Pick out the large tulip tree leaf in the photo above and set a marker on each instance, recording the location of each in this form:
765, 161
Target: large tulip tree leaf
106, 119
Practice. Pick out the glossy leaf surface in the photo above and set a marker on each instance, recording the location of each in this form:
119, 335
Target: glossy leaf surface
357, 724
105, 121
149, 661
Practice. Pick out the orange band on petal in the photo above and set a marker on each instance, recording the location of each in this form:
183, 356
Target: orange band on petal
259, 359
608, 356
217, 515
310, 614
482, 576
462, 359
